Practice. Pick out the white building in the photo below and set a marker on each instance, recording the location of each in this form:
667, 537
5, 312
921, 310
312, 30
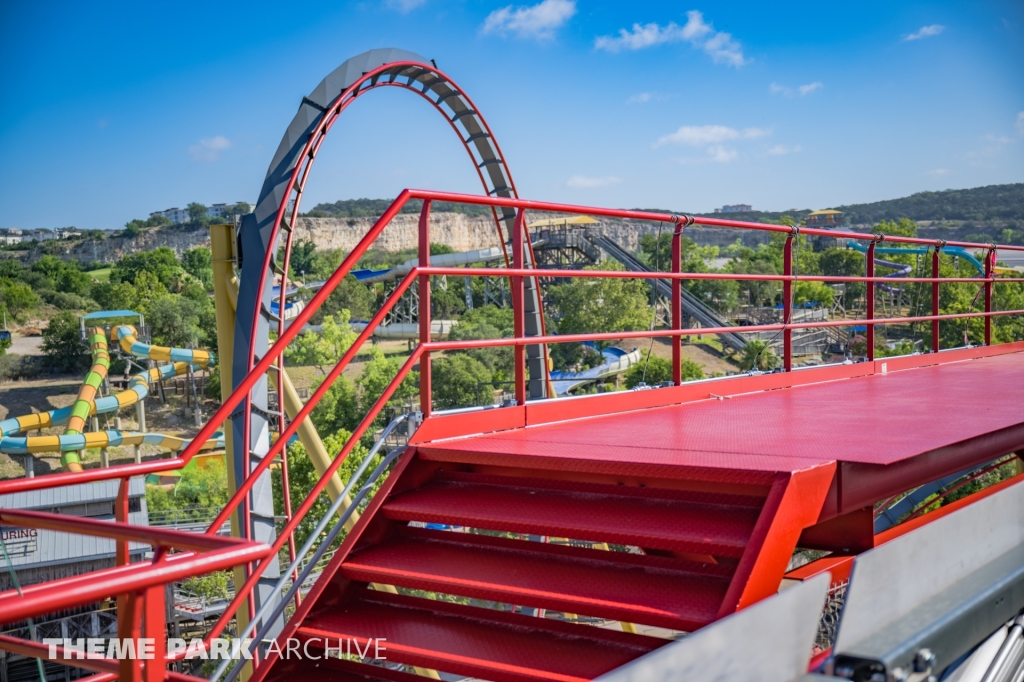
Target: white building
735, 208
179, 216
11, 235
175, 215
65, 232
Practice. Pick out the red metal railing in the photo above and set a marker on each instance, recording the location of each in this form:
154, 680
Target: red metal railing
139, 588
40, 599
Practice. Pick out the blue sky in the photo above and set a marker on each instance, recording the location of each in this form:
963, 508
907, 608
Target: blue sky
110, 111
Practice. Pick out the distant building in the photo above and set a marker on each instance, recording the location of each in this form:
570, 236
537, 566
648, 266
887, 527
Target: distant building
11, 235
65, 232
175, 215
179, 216
825, 218
39, 234
40, 555
735, 208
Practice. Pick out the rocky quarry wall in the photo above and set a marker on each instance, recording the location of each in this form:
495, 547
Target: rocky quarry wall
458, 231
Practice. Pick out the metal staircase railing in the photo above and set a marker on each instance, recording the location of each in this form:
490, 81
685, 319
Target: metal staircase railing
207, 552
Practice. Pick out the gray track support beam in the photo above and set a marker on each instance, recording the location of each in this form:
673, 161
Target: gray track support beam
918, 603
768, 642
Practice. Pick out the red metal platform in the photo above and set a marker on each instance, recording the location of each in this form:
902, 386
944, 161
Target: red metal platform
880, 427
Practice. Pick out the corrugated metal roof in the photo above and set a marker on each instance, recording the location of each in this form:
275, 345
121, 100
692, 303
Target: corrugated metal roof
72, 494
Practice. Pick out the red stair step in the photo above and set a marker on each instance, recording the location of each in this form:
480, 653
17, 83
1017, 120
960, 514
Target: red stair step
335, 670
492, 645
637, 589
629, 518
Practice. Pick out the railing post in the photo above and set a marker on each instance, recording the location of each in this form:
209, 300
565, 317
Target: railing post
156, 631
426, 399
870, 300
935, 298
990, 261
787, 305
129, 627
518, 305
677, 304
121, 515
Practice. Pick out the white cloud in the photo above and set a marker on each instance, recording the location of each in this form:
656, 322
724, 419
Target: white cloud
721, 46
583, 182
777, 89
1020, 123
782, 150
404, 6
939, 171
926, 32
700, 136
720, 154
641, 98
209, 148
535, 21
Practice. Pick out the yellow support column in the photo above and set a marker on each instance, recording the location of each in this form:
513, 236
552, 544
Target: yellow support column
225, 287
222, 248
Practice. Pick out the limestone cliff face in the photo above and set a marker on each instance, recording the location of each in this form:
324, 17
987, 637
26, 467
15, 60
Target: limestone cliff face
455, 230
111, 249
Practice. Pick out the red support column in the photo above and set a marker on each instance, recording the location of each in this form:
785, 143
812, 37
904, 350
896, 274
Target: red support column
990, 262
787, 306
156, 631
129, 626
121, 515
677, 305
424, 311
518, 307
870, 300
935, 299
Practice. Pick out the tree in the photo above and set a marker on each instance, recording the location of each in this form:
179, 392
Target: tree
71, 280
325, 347
174, 321
487, 322
198, 262
302, 477
351, 295
49, 266
11, 268
133, 228
760, 352
813, 292
659, 370
338, 409
461, 381
17, 297
160, 262
904, 227
196, 213
601, 305
302, 256
63, 350
844, 263
377, 375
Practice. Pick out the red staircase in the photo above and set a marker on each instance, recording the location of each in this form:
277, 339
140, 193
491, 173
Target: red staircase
675, 559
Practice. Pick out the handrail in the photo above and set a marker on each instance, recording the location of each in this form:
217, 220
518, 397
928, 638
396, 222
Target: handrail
308, 568
145, 575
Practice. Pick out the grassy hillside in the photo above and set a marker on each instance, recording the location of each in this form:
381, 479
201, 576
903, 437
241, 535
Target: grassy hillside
995, 202
993, 213
371, 208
